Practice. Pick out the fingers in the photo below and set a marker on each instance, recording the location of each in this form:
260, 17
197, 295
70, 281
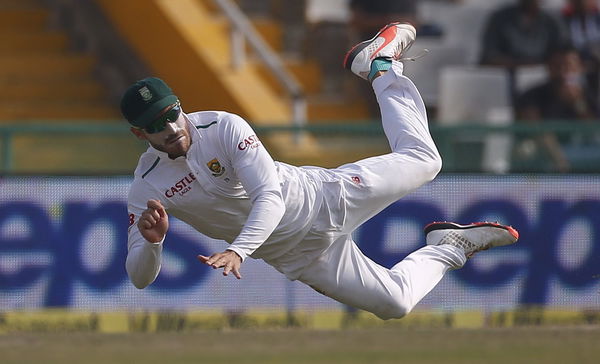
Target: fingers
236, 273
217, 260
152, 215
230, 267
149, 218
227, 269
203, 259
155, 205
145, 224
214, 260
229, 261
207, 260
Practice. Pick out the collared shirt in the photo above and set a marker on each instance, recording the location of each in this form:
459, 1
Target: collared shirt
227, 187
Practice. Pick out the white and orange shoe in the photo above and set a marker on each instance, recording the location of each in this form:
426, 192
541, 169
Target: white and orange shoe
471, 238
391, 42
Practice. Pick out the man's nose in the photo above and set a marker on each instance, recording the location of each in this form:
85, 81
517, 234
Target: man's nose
171, 127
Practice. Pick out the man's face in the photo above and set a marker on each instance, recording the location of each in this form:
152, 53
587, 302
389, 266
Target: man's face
174, 139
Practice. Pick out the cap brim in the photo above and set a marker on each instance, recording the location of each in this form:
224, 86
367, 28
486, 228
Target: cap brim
149, 115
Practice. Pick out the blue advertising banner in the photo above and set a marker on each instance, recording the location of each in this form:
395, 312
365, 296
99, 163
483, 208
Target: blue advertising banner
63, 244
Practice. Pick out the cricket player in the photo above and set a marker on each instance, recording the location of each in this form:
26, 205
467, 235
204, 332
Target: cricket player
210, 170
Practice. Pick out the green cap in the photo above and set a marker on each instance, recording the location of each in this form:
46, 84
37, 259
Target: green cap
143, 100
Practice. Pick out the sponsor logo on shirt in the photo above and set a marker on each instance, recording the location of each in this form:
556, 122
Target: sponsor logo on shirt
250, 142
181, 187
215, 167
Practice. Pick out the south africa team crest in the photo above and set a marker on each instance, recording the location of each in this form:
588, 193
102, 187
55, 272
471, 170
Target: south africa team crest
145, 93
215, 167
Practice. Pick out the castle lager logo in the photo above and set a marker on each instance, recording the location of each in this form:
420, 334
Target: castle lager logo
181, 187
250, 142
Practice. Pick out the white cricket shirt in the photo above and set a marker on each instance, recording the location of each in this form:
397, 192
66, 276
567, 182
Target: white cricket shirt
227, 187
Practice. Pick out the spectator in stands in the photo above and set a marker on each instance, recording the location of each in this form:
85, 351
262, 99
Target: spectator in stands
564, 97
520, 34
582, 20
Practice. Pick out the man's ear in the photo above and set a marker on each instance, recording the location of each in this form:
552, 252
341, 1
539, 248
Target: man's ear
138, 133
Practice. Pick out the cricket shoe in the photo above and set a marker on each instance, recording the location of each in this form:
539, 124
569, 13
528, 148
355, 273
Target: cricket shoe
471, 238
391, 42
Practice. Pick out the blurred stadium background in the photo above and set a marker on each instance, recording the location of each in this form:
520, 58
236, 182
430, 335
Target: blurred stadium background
67, 157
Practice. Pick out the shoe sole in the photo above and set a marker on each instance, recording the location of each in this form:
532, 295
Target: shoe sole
451, 225
351, 54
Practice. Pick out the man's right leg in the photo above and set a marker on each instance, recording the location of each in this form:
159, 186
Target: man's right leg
382, 180
404, 117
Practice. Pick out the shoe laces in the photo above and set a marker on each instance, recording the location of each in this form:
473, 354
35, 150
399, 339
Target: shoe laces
421, 54
456, 239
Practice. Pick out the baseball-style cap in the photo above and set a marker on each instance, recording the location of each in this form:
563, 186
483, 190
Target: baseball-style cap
143, 100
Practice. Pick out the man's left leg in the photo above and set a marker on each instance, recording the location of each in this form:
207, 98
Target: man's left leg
345, 274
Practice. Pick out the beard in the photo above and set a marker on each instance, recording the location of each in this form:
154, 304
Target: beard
175, 145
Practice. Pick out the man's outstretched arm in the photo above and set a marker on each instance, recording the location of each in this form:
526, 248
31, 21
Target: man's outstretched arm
257, 172
267, 210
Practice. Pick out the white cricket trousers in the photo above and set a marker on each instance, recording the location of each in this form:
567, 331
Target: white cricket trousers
343, 272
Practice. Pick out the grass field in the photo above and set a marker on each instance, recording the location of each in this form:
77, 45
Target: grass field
384, 345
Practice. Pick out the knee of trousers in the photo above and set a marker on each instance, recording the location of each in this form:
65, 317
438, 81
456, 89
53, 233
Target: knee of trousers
393, 310
428, 169
433, 166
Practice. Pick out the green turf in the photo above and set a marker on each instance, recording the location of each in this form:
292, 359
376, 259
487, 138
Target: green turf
520, 345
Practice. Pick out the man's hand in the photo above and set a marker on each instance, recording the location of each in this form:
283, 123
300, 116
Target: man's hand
154, 222
228, 260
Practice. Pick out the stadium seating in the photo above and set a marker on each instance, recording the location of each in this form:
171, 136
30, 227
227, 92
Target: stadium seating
468, 93
44, 81
425, 72
200, 35
477, 95
41, 77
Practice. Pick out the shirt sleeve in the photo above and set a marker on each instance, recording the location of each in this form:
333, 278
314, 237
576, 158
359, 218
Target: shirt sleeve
257, 172
143, 257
